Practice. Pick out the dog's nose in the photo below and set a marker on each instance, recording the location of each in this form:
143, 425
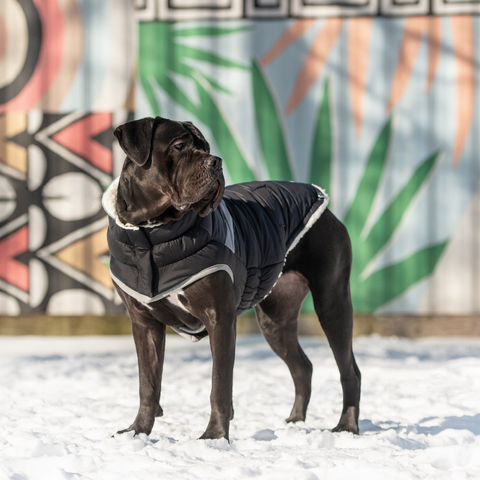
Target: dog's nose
213, 161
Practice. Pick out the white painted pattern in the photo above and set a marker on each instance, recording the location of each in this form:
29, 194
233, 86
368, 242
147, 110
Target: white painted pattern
16, 45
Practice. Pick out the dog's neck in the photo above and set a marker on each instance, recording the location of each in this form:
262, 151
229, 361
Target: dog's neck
109, 203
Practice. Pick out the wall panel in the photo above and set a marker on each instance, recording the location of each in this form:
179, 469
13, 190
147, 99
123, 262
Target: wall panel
382, 111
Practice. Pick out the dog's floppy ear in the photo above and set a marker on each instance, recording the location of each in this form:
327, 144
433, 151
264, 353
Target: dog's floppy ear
198, 139
135, 138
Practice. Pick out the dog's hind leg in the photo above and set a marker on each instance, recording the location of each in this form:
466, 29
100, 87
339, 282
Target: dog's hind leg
277, 317
327, 269
335, 316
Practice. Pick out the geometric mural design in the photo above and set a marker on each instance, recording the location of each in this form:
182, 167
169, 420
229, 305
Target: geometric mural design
62, 56
67, 70
167, 10
53, 171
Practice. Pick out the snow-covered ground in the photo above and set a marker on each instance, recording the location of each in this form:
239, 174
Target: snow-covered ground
62, 399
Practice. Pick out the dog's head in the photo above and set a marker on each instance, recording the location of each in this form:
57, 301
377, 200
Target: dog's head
168, 171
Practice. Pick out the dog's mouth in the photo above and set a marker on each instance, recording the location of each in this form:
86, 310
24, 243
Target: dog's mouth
208, 203
217, 193
212, 199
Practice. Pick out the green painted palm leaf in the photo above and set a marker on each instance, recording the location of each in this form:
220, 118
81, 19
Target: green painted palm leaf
390, 219
359, 210
163, 55
269, 127
389, 282
228, 147
321, 156
208, 31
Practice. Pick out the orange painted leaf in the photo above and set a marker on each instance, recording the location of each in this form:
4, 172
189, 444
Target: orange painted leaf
359, 35
464, 51
314, 61
412, 37
434, 47
295, 31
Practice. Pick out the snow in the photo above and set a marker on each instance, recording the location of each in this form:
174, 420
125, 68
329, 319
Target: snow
63, 398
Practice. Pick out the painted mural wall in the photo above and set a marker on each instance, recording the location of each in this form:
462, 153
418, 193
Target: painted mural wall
67, 76
382, 112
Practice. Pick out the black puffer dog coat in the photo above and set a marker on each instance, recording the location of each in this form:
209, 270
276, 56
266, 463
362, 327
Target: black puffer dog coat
248, 236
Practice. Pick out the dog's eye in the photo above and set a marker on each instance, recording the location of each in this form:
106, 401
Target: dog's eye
179, 146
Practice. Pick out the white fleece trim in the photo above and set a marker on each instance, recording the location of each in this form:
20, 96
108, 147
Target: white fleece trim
311, 221
109, 204
146, 299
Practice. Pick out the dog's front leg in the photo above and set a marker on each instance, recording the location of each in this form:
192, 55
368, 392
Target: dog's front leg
222, 344
149, 336
213, 300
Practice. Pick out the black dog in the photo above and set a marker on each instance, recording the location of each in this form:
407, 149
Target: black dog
170, 213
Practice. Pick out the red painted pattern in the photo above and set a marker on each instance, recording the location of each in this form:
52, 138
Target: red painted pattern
53, 33
14, 272
78, 138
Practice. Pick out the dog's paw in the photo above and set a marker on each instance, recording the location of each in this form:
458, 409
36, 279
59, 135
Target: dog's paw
214, 436
297, 415
348, 422
134, 430
294, 419
138, 428
215, 431
346, 428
